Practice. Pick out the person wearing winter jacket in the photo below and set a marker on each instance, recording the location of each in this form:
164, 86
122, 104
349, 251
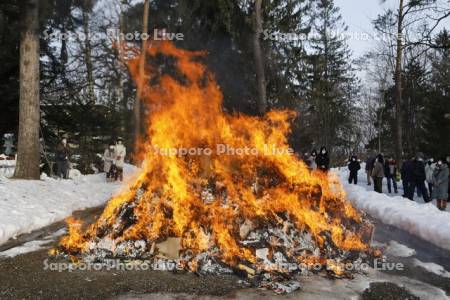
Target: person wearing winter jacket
354, 167
440, 184
378, 173
429, 170
418, 179
323, 160
390, 171
62, 159
109, 165
120, 153
406, 175
448, 166
370, 161
310, 161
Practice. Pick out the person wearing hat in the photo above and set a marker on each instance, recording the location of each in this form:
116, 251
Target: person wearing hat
323, 160
353, 166
109, 165
62, 158
418, 179
378, 173
429, 170
440, 184
120, 153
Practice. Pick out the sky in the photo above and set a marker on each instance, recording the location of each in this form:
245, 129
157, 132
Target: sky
358, 15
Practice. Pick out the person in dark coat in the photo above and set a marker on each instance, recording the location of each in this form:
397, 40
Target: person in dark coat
406, 175
370, 161
323, 160
62, 159
354, 167
390, 171
448, 166
418, 179
378, 174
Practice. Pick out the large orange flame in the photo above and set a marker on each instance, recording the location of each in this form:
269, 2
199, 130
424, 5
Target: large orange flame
186, 113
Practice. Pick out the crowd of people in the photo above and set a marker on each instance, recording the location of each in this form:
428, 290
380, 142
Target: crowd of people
318, 160
113, 158
429, 179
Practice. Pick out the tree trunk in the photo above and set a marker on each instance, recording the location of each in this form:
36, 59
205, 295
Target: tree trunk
121, 94
88, 55
398, 88
259, 62
141, 79
27, 166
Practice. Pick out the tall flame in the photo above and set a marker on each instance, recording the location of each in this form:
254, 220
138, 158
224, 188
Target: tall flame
186, 113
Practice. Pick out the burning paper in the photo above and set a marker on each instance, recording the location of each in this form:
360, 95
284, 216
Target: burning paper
250, 213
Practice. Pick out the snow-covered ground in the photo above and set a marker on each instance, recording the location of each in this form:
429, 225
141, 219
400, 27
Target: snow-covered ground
27, 205
416, 217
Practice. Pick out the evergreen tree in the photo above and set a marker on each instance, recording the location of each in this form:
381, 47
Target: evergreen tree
437, 123
331, 77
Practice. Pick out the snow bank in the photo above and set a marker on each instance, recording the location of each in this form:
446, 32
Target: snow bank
27, 205
422, 220
433, 268
396, 249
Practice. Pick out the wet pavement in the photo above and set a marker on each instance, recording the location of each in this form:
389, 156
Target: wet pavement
26, 277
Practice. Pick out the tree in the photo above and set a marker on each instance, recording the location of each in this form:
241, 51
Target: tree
437, 123
331, 77
259, 62
27, 166
141, 81
409, 13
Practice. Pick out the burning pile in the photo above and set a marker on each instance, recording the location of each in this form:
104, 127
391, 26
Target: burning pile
251, 212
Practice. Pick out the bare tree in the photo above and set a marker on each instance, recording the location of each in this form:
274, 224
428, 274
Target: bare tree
409, 13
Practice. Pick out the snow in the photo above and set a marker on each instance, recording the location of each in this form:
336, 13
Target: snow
415, 217
27, 205
396, 249
432, 267
32, 246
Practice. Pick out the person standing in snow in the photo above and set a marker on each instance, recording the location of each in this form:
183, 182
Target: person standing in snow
354, 166
109, 165
120, 153
440, 184
369, 167
418, 179
429, 170
406, 175
448, 166
378, 174
390, 171
323, 160
62, 159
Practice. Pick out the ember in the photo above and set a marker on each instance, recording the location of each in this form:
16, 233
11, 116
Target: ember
257, 215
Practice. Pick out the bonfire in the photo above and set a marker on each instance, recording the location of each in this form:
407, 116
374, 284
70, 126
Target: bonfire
241, 203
